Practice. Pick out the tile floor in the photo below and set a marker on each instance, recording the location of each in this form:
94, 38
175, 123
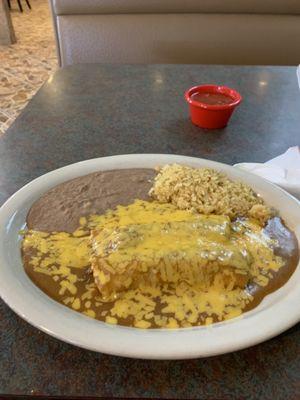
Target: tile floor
26, 65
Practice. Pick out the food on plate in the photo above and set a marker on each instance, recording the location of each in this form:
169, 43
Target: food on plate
194, 250
207, 191
174, 248
60, 208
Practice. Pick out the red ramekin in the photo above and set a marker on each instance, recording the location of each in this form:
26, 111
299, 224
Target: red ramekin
212, 116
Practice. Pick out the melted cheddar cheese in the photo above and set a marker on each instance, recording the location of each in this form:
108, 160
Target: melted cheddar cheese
173, 251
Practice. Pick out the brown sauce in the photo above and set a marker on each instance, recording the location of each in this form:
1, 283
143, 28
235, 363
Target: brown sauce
216, 99
287, 249
93, 194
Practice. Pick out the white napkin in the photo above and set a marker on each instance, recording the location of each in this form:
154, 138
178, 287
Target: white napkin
283, 170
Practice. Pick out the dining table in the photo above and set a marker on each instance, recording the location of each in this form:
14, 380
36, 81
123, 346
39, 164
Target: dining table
96, 110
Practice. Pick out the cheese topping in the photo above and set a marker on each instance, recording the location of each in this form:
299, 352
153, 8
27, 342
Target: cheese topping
173, 245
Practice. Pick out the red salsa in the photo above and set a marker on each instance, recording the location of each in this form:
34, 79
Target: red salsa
216, 99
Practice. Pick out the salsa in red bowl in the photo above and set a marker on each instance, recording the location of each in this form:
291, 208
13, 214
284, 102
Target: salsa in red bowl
211, 106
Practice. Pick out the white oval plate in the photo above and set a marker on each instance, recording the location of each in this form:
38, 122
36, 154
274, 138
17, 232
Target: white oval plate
276, 313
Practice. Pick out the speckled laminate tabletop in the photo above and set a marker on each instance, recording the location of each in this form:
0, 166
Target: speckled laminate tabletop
97, 110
